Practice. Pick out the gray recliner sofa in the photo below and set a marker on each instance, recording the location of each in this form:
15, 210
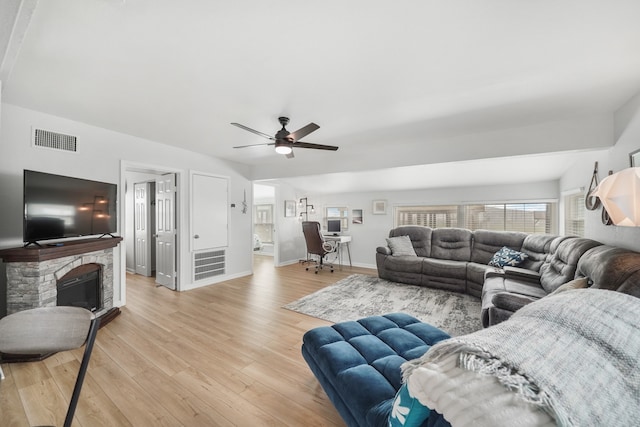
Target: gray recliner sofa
457, 259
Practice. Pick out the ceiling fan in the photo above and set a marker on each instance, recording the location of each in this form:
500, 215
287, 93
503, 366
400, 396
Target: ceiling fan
286, 141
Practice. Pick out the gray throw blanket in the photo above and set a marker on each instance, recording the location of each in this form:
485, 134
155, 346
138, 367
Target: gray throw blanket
575, 354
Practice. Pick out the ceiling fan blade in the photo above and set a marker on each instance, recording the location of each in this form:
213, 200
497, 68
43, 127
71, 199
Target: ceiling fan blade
254, 131
304, 131
255, 145
301, 144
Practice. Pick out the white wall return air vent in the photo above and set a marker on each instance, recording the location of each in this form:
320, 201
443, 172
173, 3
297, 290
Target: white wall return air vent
54, 140
208, 264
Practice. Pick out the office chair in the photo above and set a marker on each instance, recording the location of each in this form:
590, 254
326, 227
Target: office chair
46, 330
316, 245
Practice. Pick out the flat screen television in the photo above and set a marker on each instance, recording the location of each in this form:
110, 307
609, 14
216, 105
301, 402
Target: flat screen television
57, 207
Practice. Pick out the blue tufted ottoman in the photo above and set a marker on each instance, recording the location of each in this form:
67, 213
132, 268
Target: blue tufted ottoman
358, 363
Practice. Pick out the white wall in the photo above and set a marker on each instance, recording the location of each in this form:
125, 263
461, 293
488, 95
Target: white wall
627, 139
99, 157
291, 246
368, 236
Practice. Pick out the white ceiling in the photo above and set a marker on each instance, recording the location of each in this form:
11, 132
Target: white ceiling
388, 82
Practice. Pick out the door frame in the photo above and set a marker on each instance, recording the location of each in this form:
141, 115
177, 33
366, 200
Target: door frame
123, 218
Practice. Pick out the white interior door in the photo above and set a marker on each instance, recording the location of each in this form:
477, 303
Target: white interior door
143, 231
209, 212
166, 231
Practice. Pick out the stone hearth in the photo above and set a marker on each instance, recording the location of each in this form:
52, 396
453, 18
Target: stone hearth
33, 274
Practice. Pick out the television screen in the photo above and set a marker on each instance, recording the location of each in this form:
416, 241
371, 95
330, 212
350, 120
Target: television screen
58, 206
333, 225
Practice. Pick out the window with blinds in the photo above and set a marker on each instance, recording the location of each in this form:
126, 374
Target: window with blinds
526, 217
574, 214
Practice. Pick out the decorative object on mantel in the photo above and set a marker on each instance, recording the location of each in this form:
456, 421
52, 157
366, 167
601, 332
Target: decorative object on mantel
591, 202
634, 159
620, 195
379, 207
304, 206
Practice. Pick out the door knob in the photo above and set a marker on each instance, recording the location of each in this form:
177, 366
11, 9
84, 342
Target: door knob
196, 236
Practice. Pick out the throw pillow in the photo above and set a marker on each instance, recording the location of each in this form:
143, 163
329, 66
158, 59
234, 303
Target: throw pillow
401, 245
580, 283
407, 411
507, 256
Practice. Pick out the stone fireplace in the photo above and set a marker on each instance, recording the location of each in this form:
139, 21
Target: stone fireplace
34, 275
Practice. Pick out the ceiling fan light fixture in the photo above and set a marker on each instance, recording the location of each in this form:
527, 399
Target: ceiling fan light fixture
283, 149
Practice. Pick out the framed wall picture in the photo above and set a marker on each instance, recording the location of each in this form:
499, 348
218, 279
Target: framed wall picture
634, 159
289, 208
356, 216
379, 207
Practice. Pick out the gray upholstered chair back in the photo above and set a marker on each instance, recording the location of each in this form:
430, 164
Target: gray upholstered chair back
451, 244
611, 268
562, 263
487, 242
420, 238
538, 247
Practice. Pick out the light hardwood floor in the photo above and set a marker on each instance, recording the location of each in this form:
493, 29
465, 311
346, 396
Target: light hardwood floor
226, 354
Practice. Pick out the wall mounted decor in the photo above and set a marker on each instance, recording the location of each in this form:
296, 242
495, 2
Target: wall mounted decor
357, 216
379, 207
592, 202
289, 208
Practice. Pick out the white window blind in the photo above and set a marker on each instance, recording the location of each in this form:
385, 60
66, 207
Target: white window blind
526, 217
574, 214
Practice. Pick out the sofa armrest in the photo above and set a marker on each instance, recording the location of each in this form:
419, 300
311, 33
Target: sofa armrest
522, 274
510, 301
384, 250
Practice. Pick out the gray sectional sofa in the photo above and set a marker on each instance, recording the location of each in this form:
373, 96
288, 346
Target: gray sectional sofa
457, 259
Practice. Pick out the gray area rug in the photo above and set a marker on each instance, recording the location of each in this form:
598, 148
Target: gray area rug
359, 296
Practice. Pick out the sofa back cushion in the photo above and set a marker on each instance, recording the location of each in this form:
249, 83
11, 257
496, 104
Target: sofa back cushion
562, 263
537, 247
451, 243
486, 243
420, 238
612, 268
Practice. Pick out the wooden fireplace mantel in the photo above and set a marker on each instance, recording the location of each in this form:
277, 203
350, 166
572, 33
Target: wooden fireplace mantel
57, 250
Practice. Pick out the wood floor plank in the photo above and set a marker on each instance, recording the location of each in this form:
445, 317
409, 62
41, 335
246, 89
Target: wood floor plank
221, 355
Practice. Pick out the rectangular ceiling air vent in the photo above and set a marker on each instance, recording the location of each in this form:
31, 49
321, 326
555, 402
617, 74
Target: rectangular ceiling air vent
55, 141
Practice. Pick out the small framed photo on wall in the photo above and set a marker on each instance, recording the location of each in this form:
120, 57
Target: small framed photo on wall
356, 216
289, 208
634, 159
379, 207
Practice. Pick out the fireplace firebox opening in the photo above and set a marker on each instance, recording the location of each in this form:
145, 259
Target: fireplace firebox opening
81, 287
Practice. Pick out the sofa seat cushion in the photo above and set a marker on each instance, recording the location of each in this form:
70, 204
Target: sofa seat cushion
475, 277
494, 285
444, 268
406, 264
358, 362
